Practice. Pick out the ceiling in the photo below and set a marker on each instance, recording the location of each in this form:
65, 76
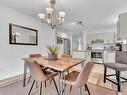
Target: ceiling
94, 14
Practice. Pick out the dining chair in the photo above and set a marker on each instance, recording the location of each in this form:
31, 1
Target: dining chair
34, 55
40, 76
79, 79
119, 66
99, 90
43, 68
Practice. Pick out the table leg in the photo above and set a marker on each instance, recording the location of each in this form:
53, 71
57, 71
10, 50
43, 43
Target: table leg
63, 83
59, 82
24, 75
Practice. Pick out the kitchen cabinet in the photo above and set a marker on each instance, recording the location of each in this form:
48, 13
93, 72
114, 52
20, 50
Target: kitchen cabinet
91, 37
86, 55
122, 26
109, 37
98, 36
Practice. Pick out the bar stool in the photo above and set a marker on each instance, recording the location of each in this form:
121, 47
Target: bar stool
119, 66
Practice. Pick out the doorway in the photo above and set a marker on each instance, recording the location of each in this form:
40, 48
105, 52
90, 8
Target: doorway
67, 46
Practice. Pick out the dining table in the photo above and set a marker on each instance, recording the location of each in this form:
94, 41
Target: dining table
61, 64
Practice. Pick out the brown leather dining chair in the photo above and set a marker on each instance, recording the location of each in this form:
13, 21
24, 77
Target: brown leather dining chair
79, 79
40, 76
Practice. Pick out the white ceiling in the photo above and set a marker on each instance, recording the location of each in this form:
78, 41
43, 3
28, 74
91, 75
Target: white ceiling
94, 14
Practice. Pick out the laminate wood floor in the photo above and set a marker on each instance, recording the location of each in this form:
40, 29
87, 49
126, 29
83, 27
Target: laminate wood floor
95, 77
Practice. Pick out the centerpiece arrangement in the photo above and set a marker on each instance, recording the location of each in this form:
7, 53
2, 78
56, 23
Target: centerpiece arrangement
52, 52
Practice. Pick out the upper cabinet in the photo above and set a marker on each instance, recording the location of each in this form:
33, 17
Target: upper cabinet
122, 26
109, 37
89, 38
92, 37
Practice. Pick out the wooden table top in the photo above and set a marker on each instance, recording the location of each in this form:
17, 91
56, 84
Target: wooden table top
61, 64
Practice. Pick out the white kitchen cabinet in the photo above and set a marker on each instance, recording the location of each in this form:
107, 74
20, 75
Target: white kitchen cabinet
86, 55
122, 26
78, 54
98, 36
109, 37
91, 37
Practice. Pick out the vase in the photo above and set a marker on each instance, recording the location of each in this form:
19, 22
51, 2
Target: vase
52, 57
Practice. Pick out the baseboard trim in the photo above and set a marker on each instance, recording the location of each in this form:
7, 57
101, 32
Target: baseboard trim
11, 80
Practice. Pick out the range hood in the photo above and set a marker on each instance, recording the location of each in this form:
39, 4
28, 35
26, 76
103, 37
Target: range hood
98, 41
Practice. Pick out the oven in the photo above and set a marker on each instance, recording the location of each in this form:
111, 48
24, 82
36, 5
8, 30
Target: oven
97, 56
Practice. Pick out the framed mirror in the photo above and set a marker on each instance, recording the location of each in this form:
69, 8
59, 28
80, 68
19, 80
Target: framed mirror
21, 35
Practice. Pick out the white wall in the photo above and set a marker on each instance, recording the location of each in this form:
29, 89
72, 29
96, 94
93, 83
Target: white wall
11, 63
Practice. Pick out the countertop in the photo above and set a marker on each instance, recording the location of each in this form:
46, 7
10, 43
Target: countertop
82, 50
110, 51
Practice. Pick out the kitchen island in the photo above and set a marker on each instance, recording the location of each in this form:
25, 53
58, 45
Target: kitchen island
83, 54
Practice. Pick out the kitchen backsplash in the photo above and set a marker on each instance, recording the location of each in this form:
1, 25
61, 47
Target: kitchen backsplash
102, 46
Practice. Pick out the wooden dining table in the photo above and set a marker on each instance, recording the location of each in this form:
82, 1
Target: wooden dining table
62, 64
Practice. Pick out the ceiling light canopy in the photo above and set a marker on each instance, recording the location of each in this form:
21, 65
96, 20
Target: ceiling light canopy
50, 18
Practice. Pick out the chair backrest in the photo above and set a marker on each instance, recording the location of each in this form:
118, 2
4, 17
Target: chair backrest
34, 55
121, 57
66, 55
35, 70
84, 74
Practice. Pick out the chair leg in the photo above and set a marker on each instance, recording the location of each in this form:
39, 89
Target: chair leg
50, 81
64, 88
29, 79
70, 88
87, 89
55, 86
31, 87
36, 84
41, 88
118, 80
80, 91
105, 71
67, 71
45, 84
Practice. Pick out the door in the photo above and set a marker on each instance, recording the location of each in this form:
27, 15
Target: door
66, 46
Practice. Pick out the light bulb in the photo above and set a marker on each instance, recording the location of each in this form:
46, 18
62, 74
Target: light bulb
62, 14
41, 16
49, 10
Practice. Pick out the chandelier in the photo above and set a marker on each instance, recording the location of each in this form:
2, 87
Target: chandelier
50, 18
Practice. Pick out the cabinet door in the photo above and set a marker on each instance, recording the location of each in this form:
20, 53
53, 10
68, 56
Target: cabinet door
109, 37
98, 36
123, 26
89, 38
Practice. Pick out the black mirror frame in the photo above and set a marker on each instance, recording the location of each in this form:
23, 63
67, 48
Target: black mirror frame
10, 34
